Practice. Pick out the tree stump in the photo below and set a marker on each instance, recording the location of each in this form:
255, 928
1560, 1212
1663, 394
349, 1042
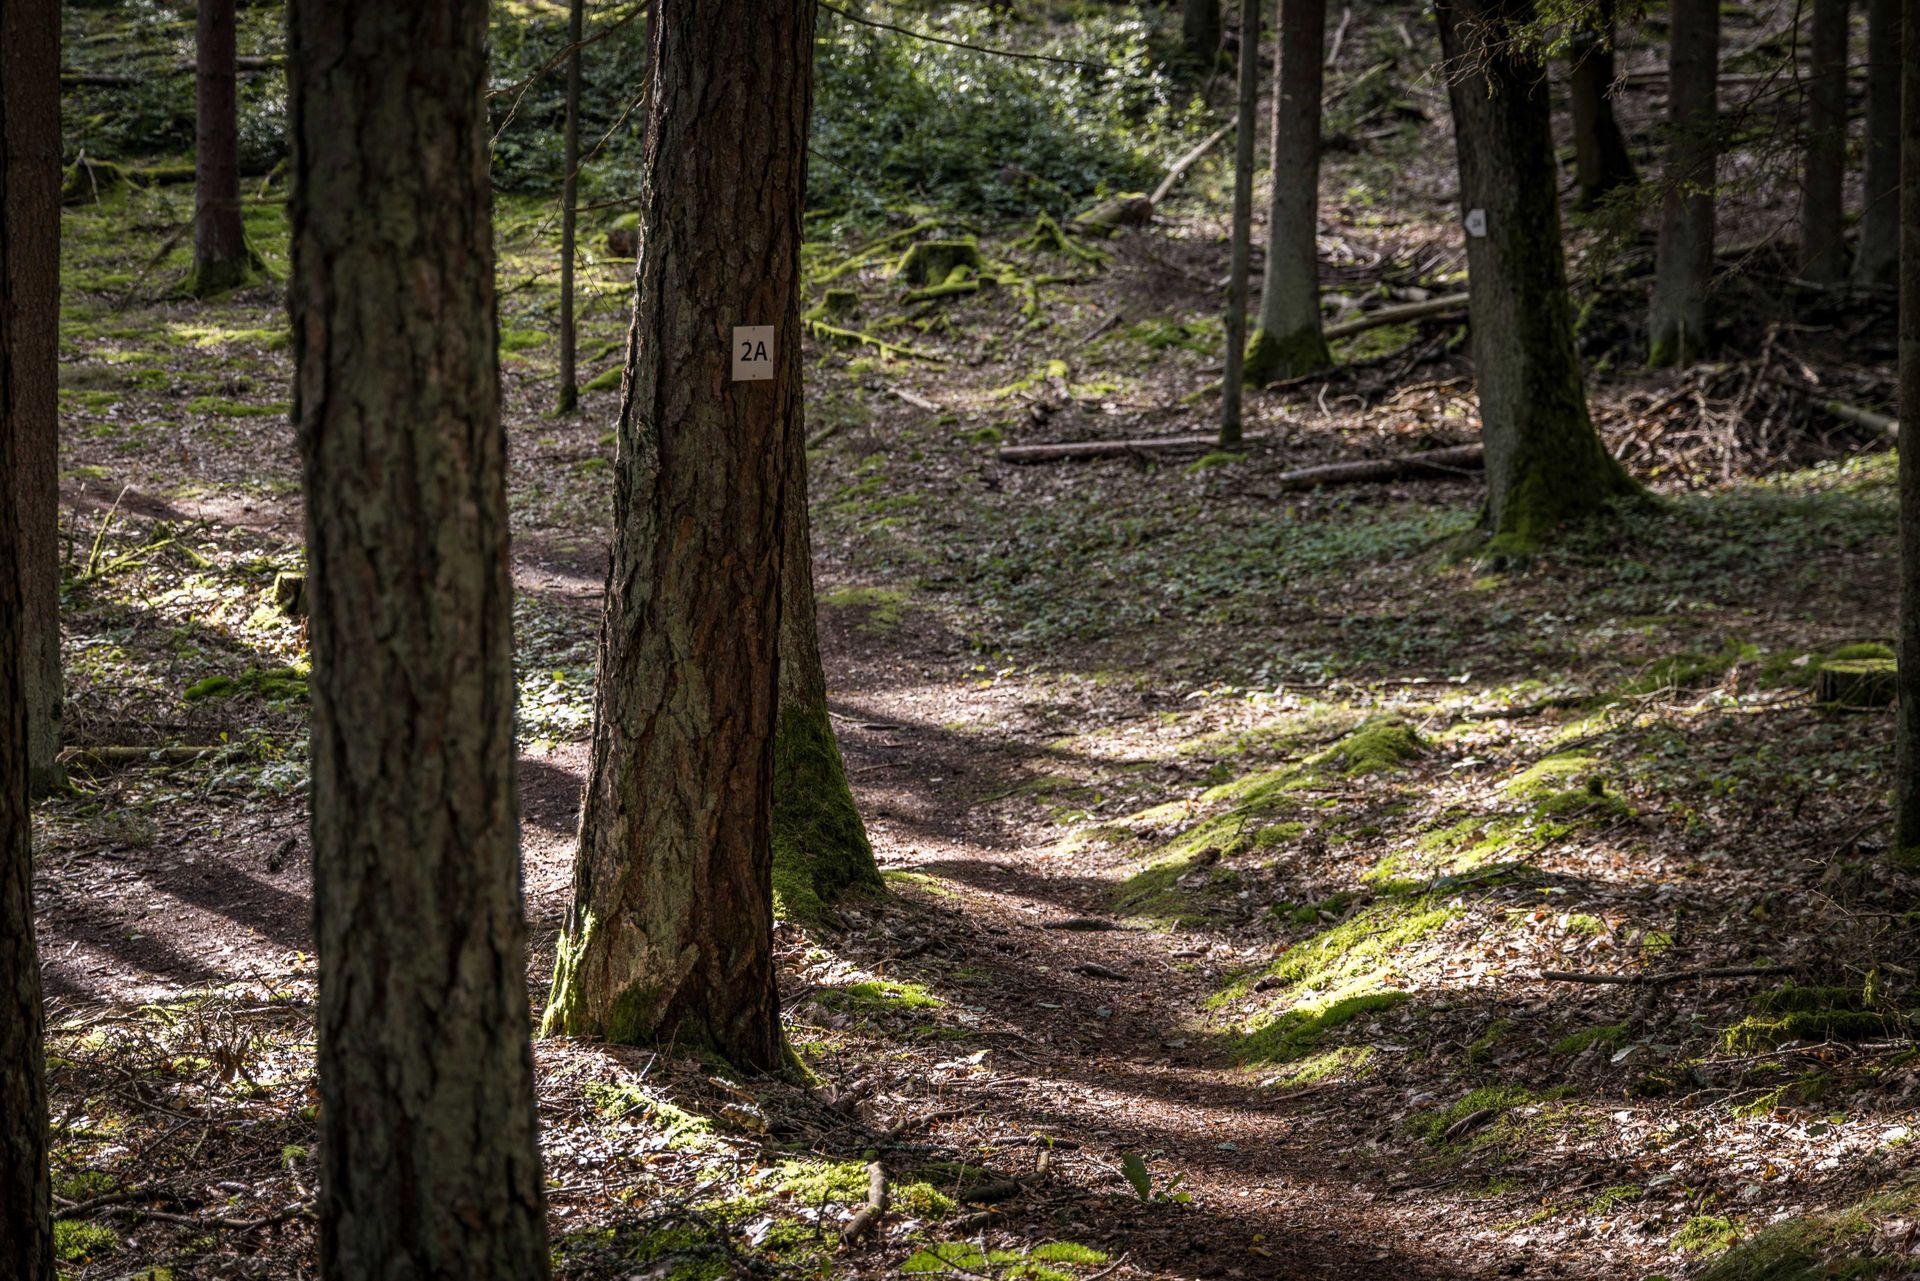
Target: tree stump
1857, 682
290, 594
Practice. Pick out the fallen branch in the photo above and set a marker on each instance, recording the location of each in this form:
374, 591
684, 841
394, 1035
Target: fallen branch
1666, 977
1395, 315
1076, 450
1453, 458
1186, 162
1867, 418
822, 330
875, 1208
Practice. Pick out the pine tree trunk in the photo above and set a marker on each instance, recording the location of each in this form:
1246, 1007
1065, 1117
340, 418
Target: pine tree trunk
29, 321
221, 259
670, 934
1906, 791
1878, 259
569, 398
820, 846
1683, 257
430, 1165
1601, 161
1288, 341
1545, 464
1242, 224
1200, 30
1823, 251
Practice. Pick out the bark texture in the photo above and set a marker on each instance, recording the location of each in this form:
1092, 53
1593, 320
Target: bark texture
1600, 157
1545, 463
1906, 790
1823, 250
1683, 256
29, 311
1200, 30
430, 1163
1878, 260
1288, 341
1242, 223
670, 933
221, 259
569, 398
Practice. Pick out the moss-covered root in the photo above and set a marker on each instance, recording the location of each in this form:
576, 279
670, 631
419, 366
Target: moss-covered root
218, 277
820, 848
1272, 357
1050, 236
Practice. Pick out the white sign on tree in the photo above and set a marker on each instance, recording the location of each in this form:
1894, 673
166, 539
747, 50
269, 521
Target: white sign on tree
752, 353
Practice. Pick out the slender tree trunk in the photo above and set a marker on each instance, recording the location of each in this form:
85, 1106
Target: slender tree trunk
670, 934
1683, 257
1878, 259
1200, 30
430, 1165
1906, 791
221, 259
1545, 464
569, 398
1601, 161
1288, 341
29, 319
1242, 224
1823, 250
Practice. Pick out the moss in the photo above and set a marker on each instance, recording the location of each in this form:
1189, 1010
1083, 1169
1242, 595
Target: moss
605, 380
222, 407
1809, 1014
1353, 950
76, 1241
513, 339
274, 684
820, 846
923, 1201
1611, 1199
880, 995
1297, 1032
879, 609
928, 262
1706, 1234
1480, 1049
1381, 744
1500, 1099
1607, 1036
1818, 1247
1217, 458
1272, 357
813, 1183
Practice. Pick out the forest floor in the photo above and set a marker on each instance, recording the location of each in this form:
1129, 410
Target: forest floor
1229, 830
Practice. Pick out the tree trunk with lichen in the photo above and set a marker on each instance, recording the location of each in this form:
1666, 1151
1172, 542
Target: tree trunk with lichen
1600, 158
1878, 260
430, 1164
1288, 341
1545, 463
1906, 788
1683, 255
670, 932
1823, 250
221, 259
29, 316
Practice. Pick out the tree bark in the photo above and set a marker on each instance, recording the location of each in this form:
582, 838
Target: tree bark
1683, 256
1906, 790
1601, 161
1288, 341
1200, 30
670, 933
29, 317
1242, 223
430, 1164
221, 259
569, 398
1878, 259
1823, 250
1545, 463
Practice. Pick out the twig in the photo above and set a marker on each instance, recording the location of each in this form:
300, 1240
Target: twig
876, 1207
1667, 976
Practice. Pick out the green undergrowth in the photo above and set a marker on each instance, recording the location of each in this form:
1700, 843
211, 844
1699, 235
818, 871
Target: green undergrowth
1816, 1247
1796, 1014
879, 996
1433, 1126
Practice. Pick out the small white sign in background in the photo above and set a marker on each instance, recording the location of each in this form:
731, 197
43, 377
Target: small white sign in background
752, 353
1476, 223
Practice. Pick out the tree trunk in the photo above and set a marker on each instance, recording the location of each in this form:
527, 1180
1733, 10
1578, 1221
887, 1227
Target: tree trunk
820, 846
670, 933
430, 1165
1683, 256
1200, 30
1242, 223
569, 398
1545, 464
1288, 341
221, 259
29, 319
1878, 259
1906, 789
1601, 161
1823, 251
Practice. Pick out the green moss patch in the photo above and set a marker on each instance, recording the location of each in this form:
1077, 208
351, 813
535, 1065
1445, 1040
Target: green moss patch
820, 848
1497, 1099
1296, 1033
1383, 744
878, 611
1818, 1246
1792, 1013
76, 1241
1706, 1234
879, 996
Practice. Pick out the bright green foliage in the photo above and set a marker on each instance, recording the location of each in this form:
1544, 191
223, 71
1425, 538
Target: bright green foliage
76, 1241
1378, 745
1433, 1126
1706, 1234
1299, 1032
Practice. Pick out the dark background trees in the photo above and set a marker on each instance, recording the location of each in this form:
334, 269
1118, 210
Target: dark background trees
221, 258
1683, 268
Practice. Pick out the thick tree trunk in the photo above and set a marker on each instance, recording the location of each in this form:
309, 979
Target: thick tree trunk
221, 259
1878, 259
1906, 791
1242, 223
29, 319
569, 398
670, 934
1683, 256
1545, 463
820, 846
1200, 30
1600, 158
1288, 341
430, 1160
1823, 251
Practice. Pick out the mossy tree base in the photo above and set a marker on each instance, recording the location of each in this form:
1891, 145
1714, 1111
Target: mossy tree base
820, 847
1272, 357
